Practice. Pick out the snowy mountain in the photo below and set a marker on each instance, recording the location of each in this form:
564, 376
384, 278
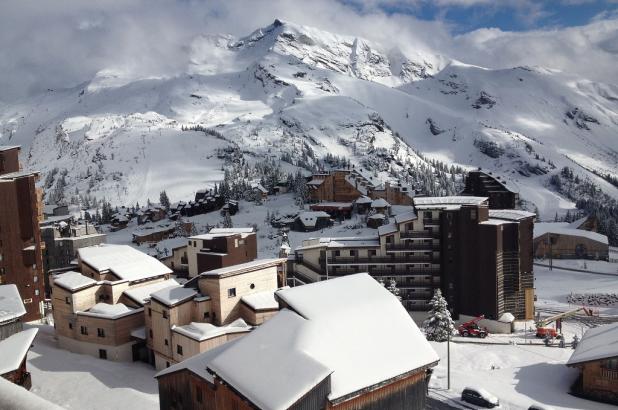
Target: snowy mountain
292, 94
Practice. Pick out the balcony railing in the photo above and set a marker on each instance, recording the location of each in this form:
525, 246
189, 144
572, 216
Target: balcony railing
374, 260
419, 234
609, 374
431, 221
412, 247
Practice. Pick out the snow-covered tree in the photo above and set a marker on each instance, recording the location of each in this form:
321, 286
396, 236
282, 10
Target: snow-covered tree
439, 324
164, 200
392, 287
227, 220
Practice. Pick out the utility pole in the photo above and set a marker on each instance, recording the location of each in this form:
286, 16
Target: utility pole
448, 360
551, 252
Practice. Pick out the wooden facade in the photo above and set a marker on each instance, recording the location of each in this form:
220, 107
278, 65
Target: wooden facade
479, 183
21, 247
184, 390
219, 251
598, 380
20, 376
564, 246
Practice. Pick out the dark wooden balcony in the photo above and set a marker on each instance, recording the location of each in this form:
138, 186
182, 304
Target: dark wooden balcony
419, 235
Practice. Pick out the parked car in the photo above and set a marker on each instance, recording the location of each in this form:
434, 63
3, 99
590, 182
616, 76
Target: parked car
537, 406
480, 397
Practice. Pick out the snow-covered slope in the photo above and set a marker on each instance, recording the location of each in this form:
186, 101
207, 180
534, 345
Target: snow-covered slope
294, 94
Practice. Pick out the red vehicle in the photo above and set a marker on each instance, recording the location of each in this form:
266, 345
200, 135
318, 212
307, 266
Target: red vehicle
471, 328
542, 332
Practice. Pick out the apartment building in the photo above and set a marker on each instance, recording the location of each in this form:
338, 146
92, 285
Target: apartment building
211, 309
481, 262
99, 310
21, 247
219, 248
500, 194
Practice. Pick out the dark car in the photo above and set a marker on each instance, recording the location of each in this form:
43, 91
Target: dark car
480, 397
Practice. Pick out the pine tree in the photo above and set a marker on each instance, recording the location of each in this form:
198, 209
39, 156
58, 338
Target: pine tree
439, 324
164, 200
227, 220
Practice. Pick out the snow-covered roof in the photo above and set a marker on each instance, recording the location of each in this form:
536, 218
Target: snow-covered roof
310, 218
507, 318
363, 200
561, 228
11, 304
598, 343
247, 229
510, 214
261, 300
15, 397
204, 331
139, 333
73, 281
290, 347
450, 200
173, 295
245, 267
107, 311
377, 216
496, 222
387, 229
352, 242
315, 182
577, 223
8, 147
380, 203
259, 187
199, 363
123, 261
141, 294
14, 348
406, 217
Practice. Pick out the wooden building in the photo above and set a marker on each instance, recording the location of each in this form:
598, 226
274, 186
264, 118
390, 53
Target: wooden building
337, 210
501, 196
596, 358
12, 311
285, 364
21, 247
13, 355
311, 221
219, 248
160, 232
559, 240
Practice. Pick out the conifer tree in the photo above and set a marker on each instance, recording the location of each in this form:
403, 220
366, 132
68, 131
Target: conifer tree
439, 324
164, 200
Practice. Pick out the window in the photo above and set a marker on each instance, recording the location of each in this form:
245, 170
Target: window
167, 364
35, 279
164, 313
611, 364
102, 354
70, 325
179, 349
83, 330
252, 286
36, 292
241, 242
67, 300
352, 252
231, 293
473, 214
235, 243
372, 252
150, 333
206, 315
149, 312
194, 245
198, 394
100, 332
166, 342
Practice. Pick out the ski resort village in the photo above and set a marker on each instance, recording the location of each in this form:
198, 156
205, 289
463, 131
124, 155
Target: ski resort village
345, 214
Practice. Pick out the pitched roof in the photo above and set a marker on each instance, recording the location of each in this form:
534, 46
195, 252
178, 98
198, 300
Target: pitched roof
290, 347
245, 267
14, 348
310, 218
204, 331
450, 200
598, 343
510, 214
261, 300
173, 295
123, 261
11, 304
73, 281
141, 294
387, 229
562, 228
405, 217
107, 311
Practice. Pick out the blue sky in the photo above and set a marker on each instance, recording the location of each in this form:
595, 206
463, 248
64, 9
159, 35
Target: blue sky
508, 15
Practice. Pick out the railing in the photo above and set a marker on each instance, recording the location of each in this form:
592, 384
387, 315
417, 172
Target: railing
419, 234
412, 247
609, 374
347, 260
431, 221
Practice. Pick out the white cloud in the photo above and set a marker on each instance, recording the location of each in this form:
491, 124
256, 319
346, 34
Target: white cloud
50, 44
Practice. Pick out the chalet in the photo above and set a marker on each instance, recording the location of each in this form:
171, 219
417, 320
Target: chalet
219, 248
259, 190
159, 232
94, 311
363, 204
560, 240
151, 213
376, 220
12, 311
182, 321
311, 221
285, 364
13, 353
119, 221
381, 206
337, 210
596, 358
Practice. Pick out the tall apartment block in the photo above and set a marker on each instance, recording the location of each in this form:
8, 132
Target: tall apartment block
21, 260
480, 259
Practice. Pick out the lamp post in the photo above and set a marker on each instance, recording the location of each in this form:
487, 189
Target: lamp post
448, 359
